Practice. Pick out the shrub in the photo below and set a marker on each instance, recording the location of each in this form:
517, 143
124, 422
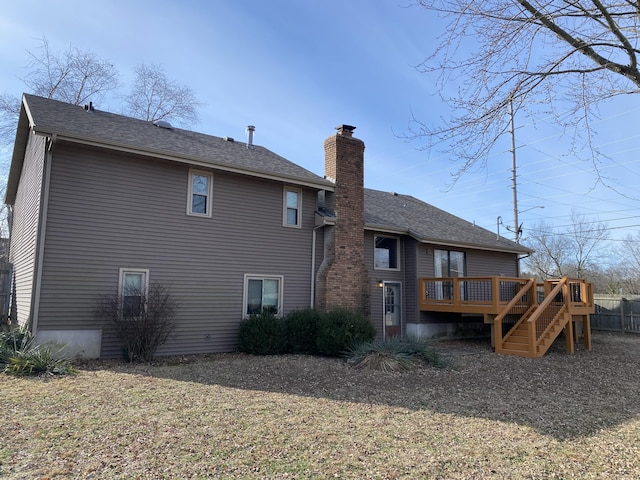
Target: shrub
142, 326
338, 330
20, 355
395, 354
262, 334
300, 330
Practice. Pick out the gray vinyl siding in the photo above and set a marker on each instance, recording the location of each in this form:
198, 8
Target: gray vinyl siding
481, 263
24, 231
410, 290
109, 212
425, 259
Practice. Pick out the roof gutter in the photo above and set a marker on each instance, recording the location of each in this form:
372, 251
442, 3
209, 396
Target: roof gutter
491, 248
388, 229
444, 243
320, 184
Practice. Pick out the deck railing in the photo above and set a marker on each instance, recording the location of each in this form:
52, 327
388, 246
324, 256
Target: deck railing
492, 294
468, 294
544, 316
523, 304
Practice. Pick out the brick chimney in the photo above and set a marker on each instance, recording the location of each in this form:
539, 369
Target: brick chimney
343, 279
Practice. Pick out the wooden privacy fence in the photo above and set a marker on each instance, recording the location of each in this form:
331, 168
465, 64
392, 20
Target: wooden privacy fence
616, 313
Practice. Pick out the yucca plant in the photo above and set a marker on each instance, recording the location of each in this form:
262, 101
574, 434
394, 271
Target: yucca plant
12, 341
395, 354
44, 360
21, 356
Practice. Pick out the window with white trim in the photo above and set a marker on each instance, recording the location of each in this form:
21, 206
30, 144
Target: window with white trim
292, 199
386, 253
262, 293
132, 288
200, 193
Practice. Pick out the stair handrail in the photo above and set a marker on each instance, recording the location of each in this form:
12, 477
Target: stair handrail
548, 299
497, 321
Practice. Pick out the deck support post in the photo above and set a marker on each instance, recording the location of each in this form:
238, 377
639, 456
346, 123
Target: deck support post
586, 331
488, 318
569, 335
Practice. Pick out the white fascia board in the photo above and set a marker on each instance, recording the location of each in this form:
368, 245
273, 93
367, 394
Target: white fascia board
321, 185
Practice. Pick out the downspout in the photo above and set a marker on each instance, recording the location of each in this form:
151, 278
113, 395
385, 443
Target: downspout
518, 258
42, 226
313, 265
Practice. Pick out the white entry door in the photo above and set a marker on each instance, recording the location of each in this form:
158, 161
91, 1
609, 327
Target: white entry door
392, 308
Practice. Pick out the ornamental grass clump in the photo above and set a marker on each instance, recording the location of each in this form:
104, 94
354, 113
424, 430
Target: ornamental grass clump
395, 354
20, 355
11, 341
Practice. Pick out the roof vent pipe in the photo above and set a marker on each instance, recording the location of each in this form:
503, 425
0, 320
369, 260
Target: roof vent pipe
250, 130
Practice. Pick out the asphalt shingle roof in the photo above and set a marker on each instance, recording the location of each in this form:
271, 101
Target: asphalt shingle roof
428, 223
63, 119
383, 210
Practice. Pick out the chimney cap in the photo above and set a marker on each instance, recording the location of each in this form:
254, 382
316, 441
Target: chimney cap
345, 129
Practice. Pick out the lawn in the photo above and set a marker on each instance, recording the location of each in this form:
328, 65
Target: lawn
237, 416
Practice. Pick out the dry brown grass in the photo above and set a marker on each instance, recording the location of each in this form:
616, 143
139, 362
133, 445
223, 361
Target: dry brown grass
236, 416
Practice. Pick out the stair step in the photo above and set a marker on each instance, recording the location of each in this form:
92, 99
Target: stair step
517, 341
516, 346
519, 334
518, 353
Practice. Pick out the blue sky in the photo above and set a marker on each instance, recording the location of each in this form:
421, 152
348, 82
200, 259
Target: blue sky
297, 68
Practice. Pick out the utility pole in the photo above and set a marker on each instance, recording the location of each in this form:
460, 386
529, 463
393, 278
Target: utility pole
514, 182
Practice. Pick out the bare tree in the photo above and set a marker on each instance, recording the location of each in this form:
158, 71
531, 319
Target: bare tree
73, 76
563, 55
587, 238
154, 97
571, 251
629, 254
550, 258
9, 110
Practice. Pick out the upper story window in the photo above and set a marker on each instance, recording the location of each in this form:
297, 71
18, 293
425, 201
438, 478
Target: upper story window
386, 253
262, 294
133, 286
291, 207
200, 192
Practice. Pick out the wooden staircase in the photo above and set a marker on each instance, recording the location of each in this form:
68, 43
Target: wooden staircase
532, 327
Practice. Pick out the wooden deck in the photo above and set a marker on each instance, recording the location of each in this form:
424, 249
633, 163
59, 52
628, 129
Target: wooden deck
526, 317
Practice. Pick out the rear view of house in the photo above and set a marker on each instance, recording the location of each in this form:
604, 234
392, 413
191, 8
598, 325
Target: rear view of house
103, 202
